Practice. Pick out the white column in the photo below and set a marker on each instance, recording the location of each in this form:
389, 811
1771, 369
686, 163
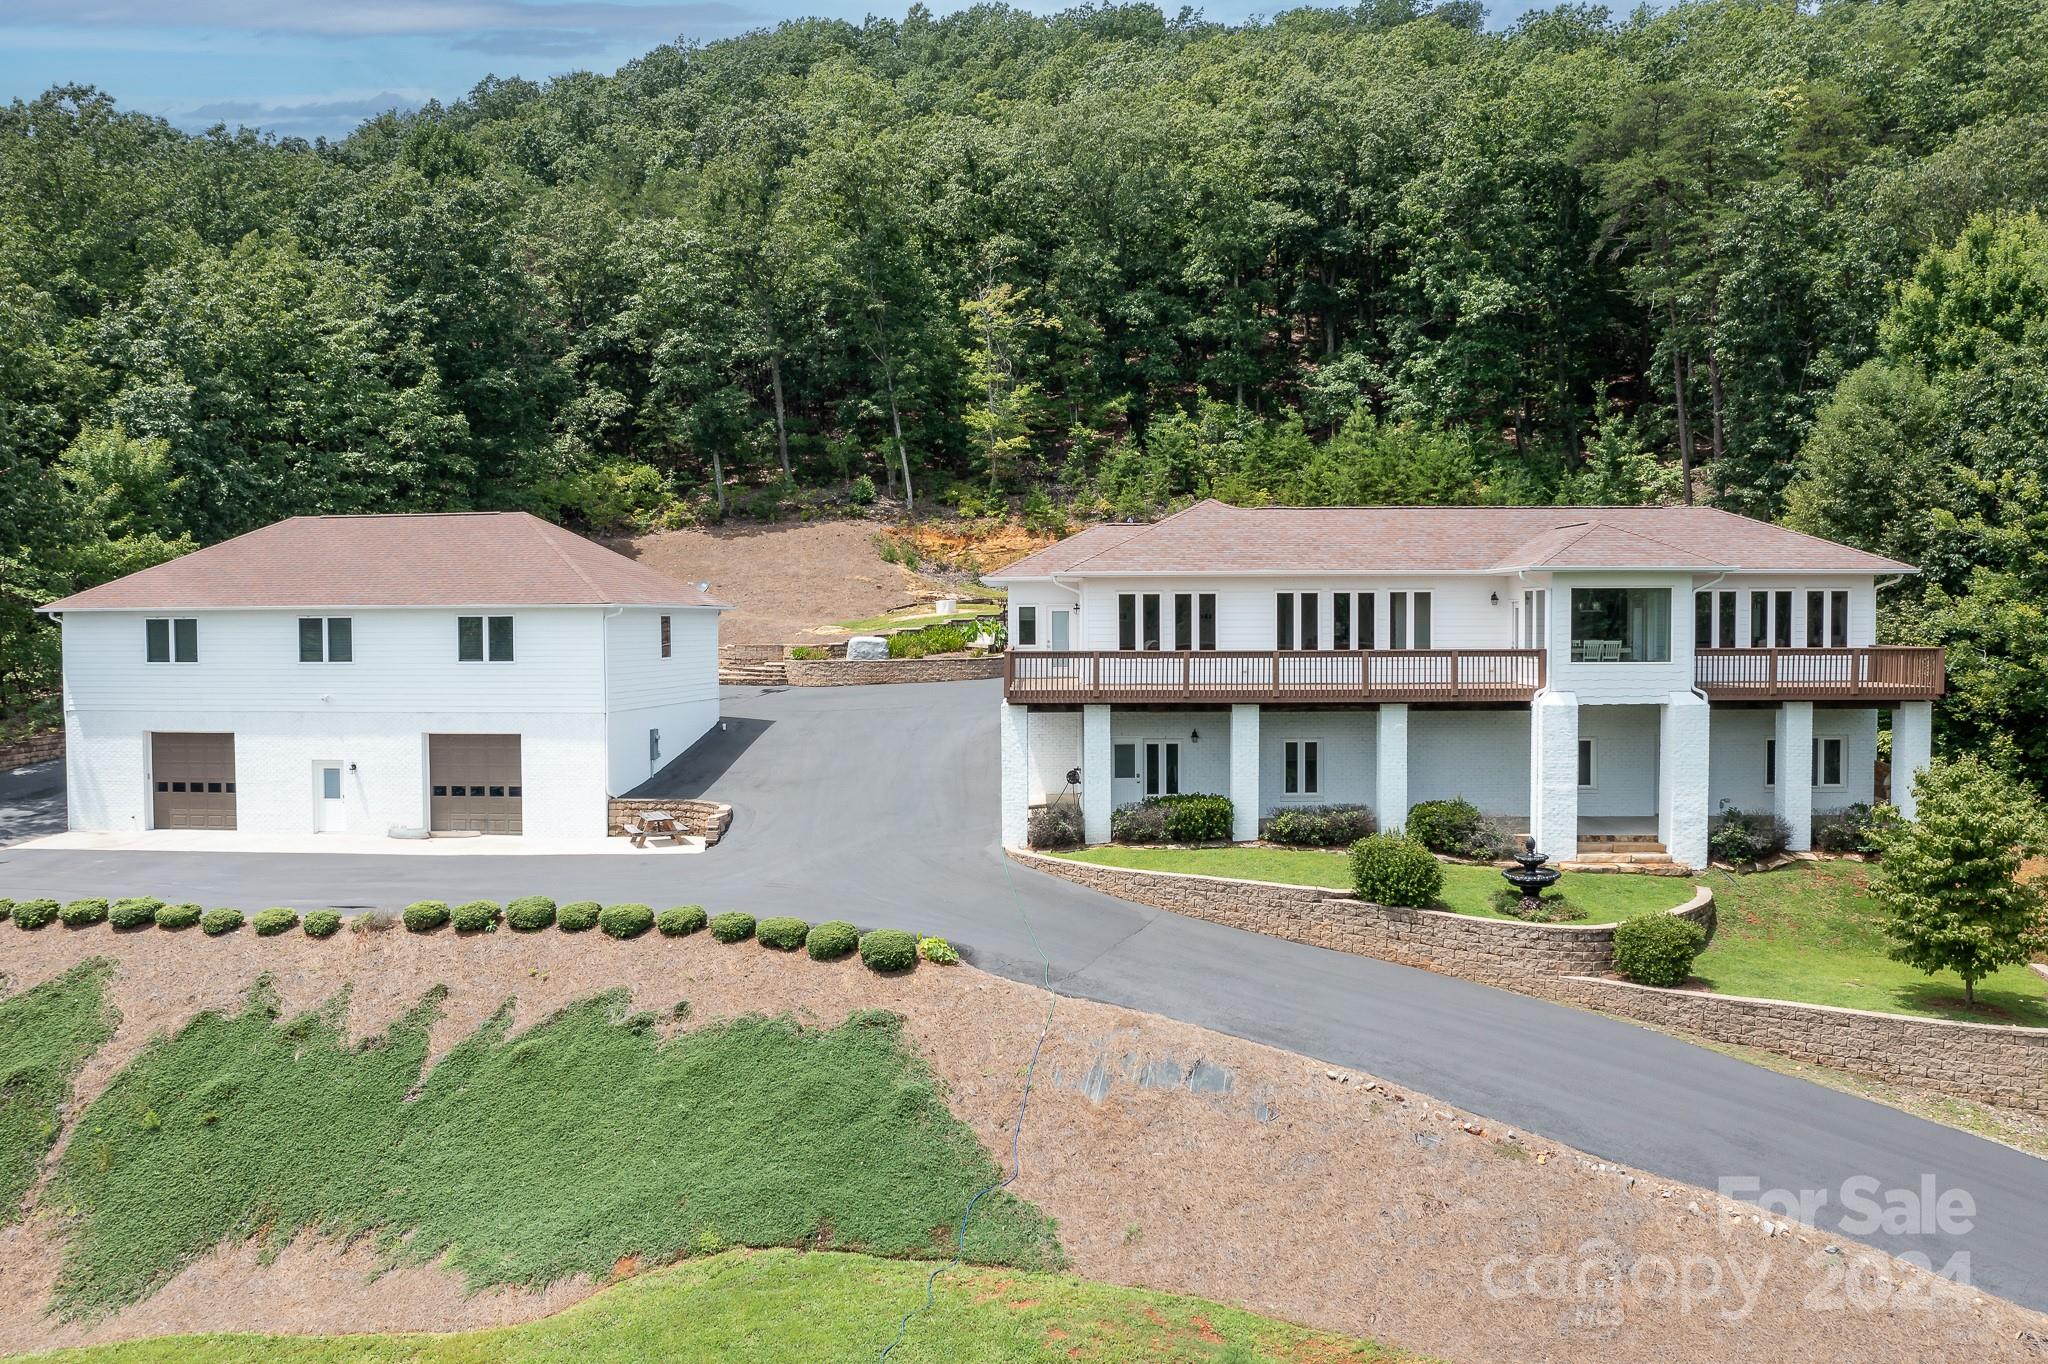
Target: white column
1554, 774
1095, 774
1244, 773
1794, 799
1016, 776
1391, 750
1684, 723
1912, 750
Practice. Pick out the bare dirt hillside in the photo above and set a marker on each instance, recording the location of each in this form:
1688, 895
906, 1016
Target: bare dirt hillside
1172, 1157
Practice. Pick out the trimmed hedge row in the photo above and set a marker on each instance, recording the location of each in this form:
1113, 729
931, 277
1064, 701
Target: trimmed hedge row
882, 949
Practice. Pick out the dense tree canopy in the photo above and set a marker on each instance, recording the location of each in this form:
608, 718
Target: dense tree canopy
1109, 257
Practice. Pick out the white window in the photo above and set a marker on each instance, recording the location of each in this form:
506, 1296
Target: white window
1194, 620
1535, 618
1027, 626
1137, 620
1125, 762
326, 639
1162, 768
1589, 769
1295, 616
1827, 761
475, 635
174, 640
1827, 620
1352, 623
1713, 620
1303, 768
1407, 620
1770, 620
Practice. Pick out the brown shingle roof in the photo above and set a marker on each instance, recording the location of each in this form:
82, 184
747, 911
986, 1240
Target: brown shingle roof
453, 559
1211, 537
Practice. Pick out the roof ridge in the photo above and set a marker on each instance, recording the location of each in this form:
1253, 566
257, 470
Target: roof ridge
1660, 540
1146, 528
540, 529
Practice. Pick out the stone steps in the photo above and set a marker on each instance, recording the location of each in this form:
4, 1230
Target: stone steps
752, 675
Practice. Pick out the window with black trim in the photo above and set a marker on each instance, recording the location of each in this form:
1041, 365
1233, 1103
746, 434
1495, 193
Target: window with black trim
1408, 620
481, 637
1827, 760
326, 639
1589, 765
1137, 620
1283, 620
1027, 626
1205, 620
171, 639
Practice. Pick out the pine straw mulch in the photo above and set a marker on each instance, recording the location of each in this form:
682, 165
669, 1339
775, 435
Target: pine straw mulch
1314, 1194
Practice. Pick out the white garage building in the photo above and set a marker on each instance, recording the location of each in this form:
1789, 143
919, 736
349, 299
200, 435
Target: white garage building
478, 672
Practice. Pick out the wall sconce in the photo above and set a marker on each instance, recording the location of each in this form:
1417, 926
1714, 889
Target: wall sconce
1494, 598
1194, 736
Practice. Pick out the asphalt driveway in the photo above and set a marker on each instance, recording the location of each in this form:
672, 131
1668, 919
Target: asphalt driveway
878, 804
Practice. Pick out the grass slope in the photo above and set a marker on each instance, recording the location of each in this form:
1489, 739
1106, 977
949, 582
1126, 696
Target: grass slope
1467, 889
778, 1305
1814, 933
46, 1034
524, 1158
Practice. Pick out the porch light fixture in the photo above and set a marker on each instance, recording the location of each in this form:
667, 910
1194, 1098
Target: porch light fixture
1194, 736
1493, 598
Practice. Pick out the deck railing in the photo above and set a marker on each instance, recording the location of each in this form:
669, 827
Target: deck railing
1469, 676
1888, 672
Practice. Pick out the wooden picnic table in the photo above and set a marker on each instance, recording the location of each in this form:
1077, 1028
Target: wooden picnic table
660, 823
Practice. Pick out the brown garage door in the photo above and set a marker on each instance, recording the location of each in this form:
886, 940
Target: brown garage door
194, 780
474, 779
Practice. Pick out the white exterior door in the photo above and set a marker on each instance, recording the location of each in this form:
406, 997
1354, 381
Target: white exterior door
331, 810
1061, 628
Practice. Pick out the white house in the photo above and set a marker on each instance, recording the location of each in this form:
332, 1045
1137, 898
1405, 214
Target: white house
1597, 675
481, 672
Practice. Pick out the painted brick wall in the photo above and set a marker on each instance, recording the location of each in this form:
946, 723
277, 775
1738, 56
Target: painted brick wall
1053, 748
1482, 755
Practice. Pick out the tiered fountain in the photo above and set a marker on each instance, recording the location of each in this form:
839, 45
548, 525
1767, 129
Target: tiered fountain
1531, 877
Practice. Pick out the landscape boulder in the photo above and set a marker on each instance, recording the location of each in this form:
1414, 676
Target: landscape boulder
862, 647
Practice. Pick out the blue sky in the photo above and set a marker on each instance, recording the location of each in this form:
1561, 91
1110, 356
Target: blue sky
312, 67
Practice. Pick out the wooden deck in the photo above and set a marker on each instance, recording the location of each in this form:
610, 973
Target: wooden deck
1442, 676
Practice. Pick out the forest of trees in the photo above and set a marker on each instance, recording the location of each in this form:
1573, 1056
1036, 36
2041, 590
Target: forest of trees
1781, 258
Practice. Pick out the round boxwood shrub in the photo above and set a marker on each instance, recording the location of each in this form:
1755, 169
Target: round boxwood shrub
889, 949
34, 913
83, 913
732, 926
831, 940
321, 923
137, 911
178, 916
683, 919
782, 932
424, 916
578, 916
268, 923
478, 916
625, 921
215, 922
530, 913
1657, 949
938, 951
1388, 869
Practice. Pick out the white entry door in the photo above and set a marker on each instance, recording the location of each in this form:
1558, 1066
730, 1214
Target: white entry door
331, 807
1061, 630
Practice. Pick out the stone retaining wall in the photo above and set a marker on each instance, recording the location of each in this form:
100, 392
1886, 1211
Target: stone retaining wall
1496, 951
1983, 1061
705, 819
38, 748
863, 672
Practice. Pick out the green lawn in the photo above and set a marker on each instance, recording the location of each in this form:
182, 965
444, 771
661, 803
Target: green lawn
772, 1306
46, 1034
1467, 890
1813, 933
911, 620
524, 1158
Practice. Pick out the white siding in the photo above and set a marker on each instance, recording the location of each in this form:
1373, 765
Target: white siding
1482, 755
677, 695
1462, 614
1621, 683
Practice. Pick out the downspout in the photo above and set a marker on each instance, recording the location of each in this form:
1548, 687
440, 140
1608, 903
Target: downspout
1708, 586
604, 693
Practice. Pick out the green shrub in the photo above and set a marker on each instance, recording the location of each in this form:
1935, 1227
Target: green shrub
625, 921
861, 492
889, 949
1859, 828
268, 923
178, 916
1144, 822
732, 926
932, 639
781, 932
1053, 827
1742, 836
1453, 827
1657, 949
424, 916
578, 916
34, 913
1319, 826
1549, 909
135, 912
215, 922
682, 920
831, 940
321, 923
1388, 869
530, 913
6, 909
1197, 818
477, 916
83, 913
938, 951
809, 653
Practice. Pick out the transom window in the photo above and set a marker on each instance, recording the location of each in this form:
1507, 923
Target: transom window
1621, 625
1301, 760
171, 639
478, 637
326, 639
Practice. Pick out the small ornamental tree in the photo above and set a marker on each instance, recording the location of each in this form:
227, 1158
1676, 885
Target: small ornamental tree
1949, 881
